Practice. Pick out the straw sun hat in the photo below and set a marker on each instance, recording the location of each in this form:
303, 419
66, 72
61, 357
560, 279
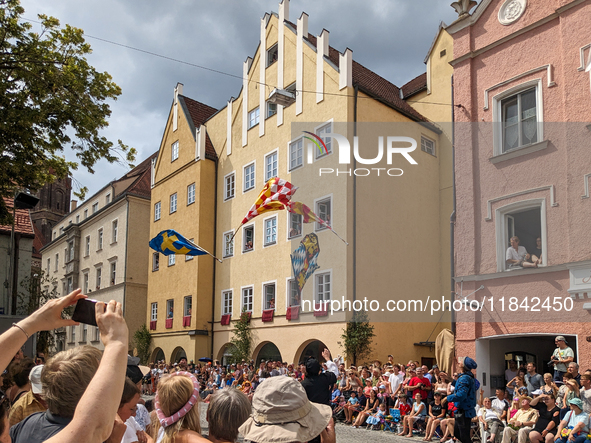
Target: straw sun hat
281, 412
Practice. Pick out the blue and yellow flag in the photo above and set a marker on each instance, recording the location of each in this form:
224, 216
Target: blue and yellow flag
171, 242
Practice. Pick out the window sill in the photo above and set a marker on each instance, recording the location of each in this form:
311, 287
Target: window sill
95, 341
270, 244
228, 198
253, 126
99, 250
247, 190
113, 243
518, 152
320, 157
155, 270
294, 236
189, 204
244, 251
228, 256
517, 272
269, 116
297, 167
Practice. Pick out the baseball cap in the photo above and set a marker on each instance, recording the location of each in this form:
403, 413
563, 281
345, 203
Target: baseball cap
35, 377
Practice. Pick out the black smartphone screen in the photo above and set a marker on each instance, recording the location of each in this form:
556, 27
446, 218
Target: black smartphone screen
84, 312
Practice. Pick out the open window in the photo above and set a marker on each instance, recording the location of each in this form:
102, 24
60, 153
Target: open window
248, 239
269, 296
272, 55
324, 211
295, 225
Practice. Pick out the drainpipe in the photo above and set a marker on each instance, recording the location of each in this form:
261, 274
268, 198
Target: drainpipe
355, 197
452, 218
215, 221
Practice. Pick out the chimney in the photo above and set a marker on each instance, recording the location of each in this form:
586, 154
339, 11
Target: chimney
73, 205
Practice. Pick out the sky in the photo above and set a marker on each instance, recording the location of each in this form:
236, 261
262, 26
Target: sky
390, 37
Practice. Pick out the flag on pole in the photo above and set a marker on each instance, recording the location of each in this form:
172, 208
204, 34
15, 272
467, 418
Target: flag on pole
304, 260
275, 195
307, 215
170, 242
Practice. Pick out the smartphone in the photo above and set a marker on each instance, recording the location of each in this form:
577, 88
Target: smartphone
84, 311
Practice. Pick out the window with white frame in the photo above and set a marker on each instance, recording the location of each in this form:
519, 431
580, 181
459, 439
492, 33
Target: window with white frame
108, 199
324, 211
294, 296
72, 334
86, 280
70, 254
526, 221
154, 312
247, 299
113, 273
191, 194
323, 287
427, 145
248, 238
99, 242
171, 259
269, 296
321, 132
228, 244
249, 177
174, 151
99, 277
48, 265
187, 256
57, 260
173, 203
78, 218
97, 334
272, 55
188, 306
520, 115
170, 308
227, 303
271, 109
87, 246
114, 231
84, 333
157, 207
271, 166
270, 231
85, 214
254, 117
295, 225
70, 284
230, 185
155, 261
296, 154
95, 207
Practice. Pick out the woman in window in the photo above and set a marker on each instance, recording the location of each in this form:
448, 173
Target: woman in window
536, 256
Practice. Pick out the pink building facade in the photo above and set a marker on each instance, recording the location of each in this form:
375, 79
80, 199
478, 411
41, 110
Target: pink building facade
522, 165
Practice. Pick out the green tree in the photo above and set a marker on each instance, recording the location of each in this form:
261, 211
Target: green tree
50, 99
142, 340
241, 340
357, 337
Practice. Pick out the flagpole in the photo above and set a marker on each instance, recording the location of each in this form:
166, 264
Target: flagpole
208, 253
344, 241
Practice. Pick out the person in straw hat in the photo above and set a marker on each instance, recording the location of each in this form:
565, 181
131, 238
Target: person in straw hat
282, 413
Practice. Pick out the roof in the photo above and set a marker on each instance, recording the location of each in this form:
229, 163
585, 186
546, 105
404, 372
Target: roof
199, 113
371, 83
415, 86
137, 181
22, 221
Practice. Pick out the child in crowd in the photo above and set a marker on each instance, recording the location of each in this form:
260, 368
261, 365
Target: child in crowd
402, 405
376, 419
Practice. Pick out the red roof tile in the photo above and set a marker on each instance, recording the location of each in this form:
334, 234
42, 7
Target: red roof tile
23, 224
414, 86
200, 113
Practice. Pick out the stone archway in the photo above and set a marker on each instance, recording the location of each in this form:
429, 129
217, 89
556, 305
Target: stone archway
157, 355
310, 348
266, 351
177, 354
225, 355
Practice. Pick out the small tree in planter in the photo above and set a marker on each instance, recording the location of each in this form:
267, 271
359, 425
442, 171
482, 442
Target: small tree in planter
242, 339
357, 337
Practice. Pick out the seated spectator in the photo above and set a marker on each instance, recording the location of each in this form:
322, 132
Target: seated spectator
515, 406
419, 384
585, 392
574, 427
573, 369
437, 412
375, 420
562, 391
281, 412
521, 424
517, 385
227, 411
549, 418
356, 403
418, 412
371, 407
517, 256
32, 401
533, 380
572, 392
403, 405
536, 256
491, 421
500, 403
549, 386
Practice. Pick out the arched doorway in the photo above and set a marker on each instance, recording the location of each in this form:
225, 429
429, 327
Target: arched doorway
268, 352
157, 355
177, 354
313, 349
225, 354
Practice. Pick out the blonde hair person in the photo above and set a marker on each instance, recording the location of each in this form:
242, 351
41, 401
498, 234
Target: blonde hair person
177, 408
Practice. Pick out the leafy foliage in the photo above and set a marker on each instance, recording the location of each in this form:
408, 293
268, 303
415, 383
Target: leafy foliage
142, 340
358, 337
241, 339
50, 98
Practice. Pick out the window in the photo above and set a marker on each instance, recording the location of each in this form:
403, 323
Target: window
321, 132
157, 211
188, 306
227, 303
270, 231
70, 284
84, 333
85, 214
228, 244
99, 244
190, 194
230, 180
169, 308
294, 297
427, 145
97, 334
296, 154
269, 296
323, 210
87, 246
57, 260
85, 286
254, 117
155, 261
519, 116
48, 265
249, 177
323, 287
247, 299
99, 275
248, 239
108, 199
114, 226
171, 259
175, 151
272, 54
271, 109
78, 218
95, 207
187, 256
73, 334
113, 273
173, 203
271, 166
70, 254
154, 312
295, 225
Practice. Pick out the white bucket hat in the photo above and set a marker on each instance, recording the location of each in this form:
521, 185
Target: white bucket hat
281, 412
